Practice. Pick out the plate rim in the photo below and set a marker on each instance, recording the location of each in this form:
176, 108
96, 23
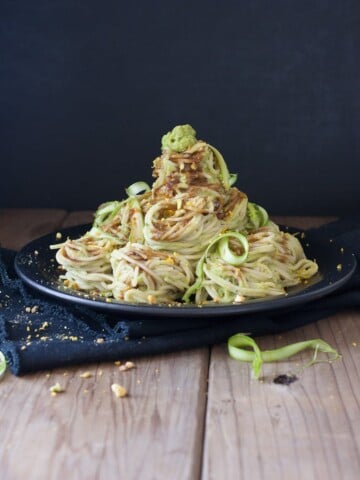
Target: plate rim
306, 295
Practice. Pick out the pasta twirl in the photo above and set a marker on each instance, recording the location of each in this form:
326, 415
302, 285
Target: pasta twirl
192, 237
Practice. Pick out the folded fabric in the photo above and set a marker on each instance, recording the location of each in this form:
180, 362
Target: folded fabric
40, 333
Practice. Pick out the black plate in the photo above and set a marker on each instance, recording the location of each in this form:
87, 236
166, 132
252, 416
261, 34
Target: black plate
37, 267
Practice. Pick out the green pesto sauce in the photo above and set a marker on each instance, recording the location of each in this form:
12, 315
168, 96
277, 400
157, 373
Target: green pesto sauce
179, 139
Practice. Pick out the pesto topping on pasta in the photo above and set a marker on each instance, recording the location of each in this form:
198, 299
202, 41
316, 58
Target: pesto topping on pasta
190, 237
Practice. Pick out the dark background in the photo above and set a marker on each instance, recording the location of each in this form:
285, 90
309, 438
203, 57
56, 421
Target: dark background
87, 89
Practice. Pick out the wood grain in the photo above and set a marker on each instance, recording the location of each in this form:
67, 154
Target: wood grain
305, 430
86, 432
172, 425
78, 218
20, 226
302, 222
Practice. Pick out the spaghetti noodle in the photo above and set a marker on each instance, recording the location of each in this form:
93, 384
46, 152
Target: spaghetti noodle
192, 237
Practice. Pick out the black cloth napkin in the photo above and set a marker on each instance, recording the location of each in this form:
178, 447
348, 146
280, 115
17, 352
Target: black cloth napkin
39, 333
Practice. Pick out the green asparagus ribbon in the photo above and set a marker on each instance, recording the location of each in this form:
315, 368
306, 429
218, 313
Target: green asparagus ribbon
136, 188
239, 344
2, 365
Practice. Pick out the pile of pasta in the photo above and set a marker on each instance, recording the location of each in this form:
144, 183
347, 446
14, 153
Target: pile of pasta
193, 237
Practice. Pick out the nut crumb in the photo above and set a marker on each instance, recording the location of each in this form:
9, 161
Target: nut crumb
127, 366
100, 340
55, 389
117, 363
239, 299
151, 299
58, 236
118, 390
339, 267
34, 309
86, 375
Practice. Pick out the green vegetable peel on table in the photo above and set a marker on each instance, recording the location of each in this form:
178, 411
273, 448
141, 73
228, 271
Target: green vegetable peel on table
239, 343
2, 365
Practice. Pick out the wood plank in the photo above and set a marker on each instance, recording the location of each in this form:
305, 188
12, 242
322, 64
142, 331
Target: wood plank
78, 218
19, 226
305, 430
302, 222
86, 432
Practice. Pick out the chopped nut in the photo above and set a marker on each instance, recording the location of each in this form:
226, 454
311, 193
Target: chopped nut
55, 389
27, 309
117, 363
86, 375
58, 236
119, 390
169, 261
151, 299
34, 309
127, 366
239, 298
339, 267
100, 340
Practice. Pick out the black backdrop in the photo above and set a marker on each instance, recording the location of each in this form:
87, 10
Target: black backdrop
88, 88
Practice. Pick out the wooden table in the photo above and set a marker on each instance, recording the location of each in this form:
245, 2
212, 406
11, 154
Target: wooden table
190, 415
